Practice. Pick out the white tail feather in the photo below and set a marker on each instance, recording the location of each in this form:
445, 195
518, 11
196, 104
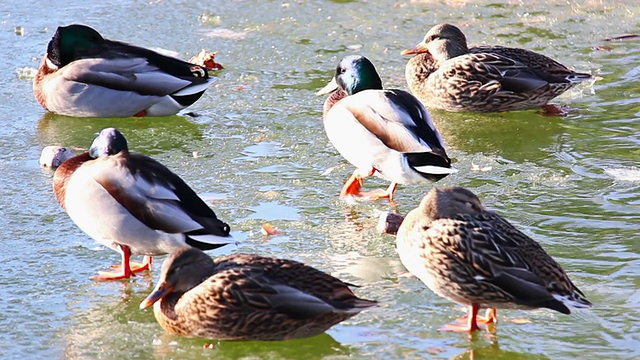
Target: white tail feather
214, 240
436, 170
576, 78
195, 88
575, 302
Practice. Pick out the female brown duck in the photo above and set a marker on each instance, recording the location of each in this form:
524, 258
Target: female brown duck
446, 74
248, 297
474, 257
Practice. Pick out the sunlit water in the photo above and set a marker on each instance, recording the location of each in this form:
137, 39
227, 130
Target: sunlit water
570, 182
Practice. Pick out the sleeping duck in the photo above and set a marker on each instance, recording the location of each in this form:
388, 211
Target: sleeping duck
387, 133
133, 204
446, 74
86, 75
248, 297
52, 156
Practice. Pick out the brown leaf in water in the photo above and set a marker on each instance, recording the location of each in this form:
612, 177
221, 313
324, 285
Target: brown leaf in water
603, 48
206, 59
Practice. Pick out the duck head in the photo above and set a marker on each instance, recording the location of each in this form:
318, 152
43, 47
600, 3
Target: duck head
354, 73
71, 42
443, 42
446, 202
109, 141
181, 271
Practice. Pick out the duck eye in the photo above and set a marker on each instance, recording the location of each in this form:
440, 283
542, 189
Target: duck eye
173, 271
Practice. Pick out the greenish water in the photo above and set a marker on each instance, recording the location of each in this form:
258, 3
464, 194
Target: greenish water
573, 183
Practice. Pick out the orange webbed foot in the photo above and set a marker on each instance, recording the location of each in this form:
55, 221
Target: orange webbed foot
112, 275
470, 320
126, 270
460, 328
491, 316
354, 184
135, 266
380, 193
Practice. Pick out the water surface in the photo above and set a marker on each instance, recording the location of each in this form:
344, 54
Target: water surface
570, 182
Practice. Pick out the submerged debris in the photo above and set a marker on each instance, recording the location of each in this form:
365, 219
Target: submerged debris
624, 37
268, 229
389, 223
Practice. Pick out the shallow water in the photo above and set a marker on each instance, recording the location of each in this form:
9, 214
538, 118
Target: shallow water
570, 182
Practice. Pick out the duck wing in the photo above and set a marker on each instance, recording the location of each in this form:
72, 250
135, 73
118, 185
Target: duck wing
284, 286
133, 74
499, 263
397, 118
481, 75
542, 66
160, 199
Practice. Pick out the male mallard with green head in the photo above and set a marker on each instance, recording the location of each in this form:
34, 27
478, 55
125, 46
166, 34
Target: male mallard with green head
86, 75
133, 204
387, 133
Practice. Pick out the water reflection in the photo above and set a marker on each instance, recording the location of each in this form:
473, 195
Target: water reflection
145, 135
516, 136
106, 319
318, 347
493, 351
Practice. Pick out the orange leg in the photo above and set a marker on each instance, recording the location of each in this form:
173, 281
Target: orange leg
137, 267
471, 325
355, 182
491, 316
123, 271
381, 194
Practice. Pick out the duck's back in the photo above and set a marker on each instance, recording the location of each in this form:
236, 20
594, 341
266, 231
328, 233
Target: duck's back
543, 66
256, 298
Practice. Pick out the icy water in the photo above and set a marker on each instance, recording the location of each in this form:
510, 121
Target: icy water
572, 183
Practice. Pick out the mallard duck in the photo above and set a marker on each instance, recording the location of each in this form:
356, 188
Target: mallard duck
446, 74
133, 204
387, 133
475, 257
86, 75
248, 297
52, 156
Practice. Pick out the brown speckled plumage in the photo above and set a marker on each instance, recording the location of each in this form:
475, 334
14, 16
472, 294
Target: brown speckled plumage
446, 74
248, 297
473, 256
